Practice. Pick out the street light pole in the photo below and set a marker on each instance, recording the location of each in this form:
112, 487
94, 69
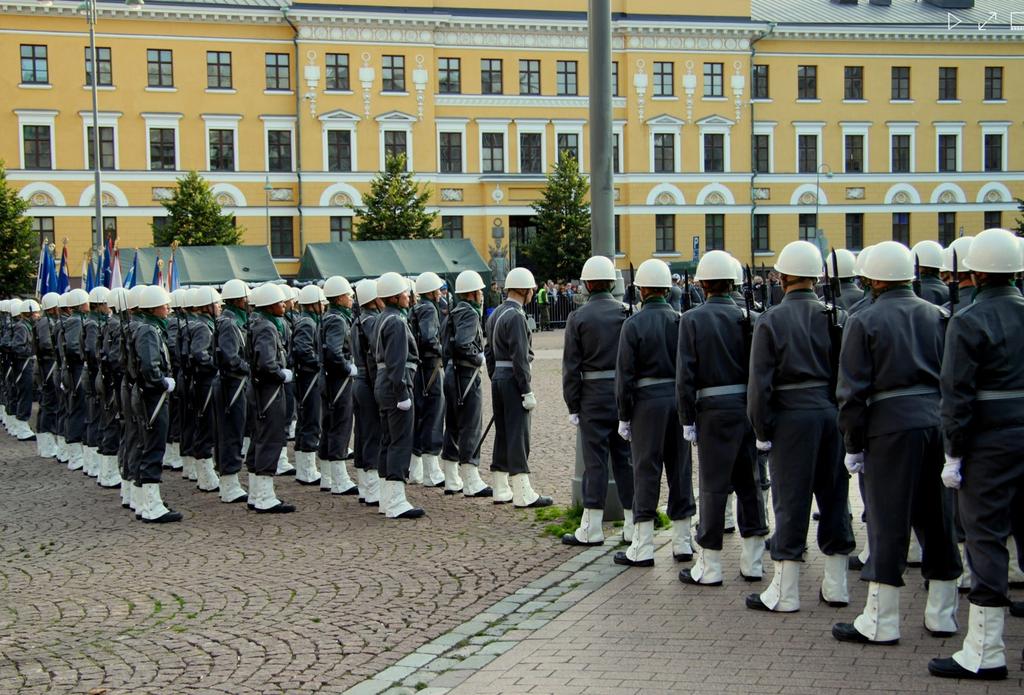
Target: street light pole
817, 193
97, 235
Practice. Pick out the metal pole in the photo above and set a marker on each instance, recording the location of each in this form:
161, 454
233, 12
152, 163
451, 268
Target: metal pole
602, 193
97, 236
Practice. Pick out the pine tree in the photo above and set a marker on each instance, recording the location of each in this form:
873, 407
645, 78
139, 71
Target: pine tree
20, 253
194, 218
562, 244
395, 207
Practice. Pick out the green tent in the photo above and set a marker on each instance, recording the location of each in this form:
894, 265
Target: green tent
355, 260
205, 265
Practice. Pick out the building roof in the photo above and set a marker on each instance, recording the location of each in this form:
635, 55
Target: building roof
901, 12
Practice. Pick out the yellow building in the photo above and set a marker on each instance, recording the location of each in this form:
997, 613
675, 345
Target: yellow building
739, 124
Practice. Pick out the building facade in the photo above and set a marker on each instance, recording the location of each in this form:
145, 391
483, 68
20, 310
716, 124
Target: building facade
738, 125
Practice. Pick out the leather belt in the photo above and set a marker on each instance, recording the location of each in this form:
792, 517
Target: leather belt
654, 381
727, 390
599, 376
504, 363
898, 393
464, 363
984, 395
801, 385
408, 365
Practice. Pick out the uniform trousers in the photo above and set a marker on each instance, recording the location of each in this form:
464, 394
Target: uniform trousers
153, 420
21, 402
367, 425
428, 397
657, 444
337, 416
463, 414
74, 419
46, 420
603, 447
268, 411
307, 411
110, 436
396, 442
126, 455
232, 404
511, 425
188, 421
201, 413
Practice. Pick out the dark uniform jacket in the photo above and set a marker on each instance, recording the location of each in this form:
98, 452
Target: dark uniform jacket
591, 344
338, 340
647, 350
396, 356
425, 321
306, 343
362, 348
464, 336
509, 340
934, 290
229, 342
266, 341
151, 356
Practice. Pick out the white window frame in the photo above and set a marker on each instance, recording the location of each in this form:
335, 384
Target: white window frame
532, 125
571, 127
716, 125
815, 128
107, 119
40, 117
492, 125
396, 121
344, 121
987, 128
165, 120
217, 121
450, 125
862, 128
672, 126
766, 128
951, 128
904, 128
277, 123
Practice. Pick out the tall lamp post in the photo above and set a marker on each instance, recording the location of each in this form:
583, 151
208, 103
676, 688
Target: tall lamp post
822, 169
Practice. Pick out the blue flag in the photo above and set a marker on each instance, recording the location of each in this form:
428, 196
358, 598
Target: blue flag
90, 278
49, 280
157, 275
107, 272
130, 280
63, 279
174, 283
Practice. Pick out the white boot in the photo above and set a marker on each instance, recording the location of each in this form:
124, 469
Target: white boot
284, 467
126, 494
207, 476
172, 456
589, 531
25, 432
965, 581
640, 553
834, 590
453, 482
940, 610
306, 472
472, 484
865, 553
189, 468
45, 445
266, 500
96, 459
89, 461
325, 475
432, 473
398, 506
63, 455
361, 483
682, 542
752, 558
627, 525
1016, 576
231, 490
983, 646
416, 470
523, 495
245, 446
730, 513
914, 551
372, 492
109, 476
341, 481
783, 594
291, 430
153, 510
502, 491
706, 571
135, 500
880, 621
75, 462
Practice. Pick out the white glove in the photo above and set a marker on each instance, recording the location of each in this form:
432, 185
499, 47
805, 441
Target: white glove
288, 375
625, 431
574, 419
951, 472
529, 401
690, 433
169, 384
353, 370
854, 462
763, 446
404, 405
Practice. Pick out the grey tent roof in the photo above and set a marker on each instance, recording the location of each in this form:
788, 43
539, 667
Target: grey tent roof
206, 265
355, 260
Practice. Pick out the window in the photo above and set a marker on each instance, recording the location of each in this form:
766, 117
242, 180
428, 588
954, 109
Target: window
901, 227
161, 149
109, 227
218, 70
714, 80
759, 78
159, 67
664, 233
222, 149
853, 83
449, 75
993, 219
34, 67
341, 228
714, 152
451, 226
714, 232
529, 77
281, 245
451, 153
854, 153
278, 73
993, 83
993, 152
37, 147
615, 78
807, 82
393, 73
279, 150
664, 79
664, 153
339, 150
43, 228
531, 156
617, 233
762, 154
565, 78
337, 72
901, 84
568, 143
615, 153
395, 144
855, 231
760, 234
808, 227
107, 159
947, 84
493, 153
491, 81
947, 228
901, 154
158, 225
947, 152
106, 66
807, 147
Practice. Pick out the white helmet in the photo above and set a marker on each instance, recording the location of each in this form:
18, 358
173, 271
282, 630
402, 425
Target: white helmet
428, 282
716, 265
993, 251
320, 293
194, 298
962, 246
366, 291
234, 289
861, 257
205, 296
739, 272
411, 282
391, 285
179, 298
267, 294
890, 261
310, 294
51, 300
118, 299
153, 296
468, 281
800, 259
13, 306
4, 305
98, 295
520, 279
928, 253
77, 297
29, 306
598, 268
655, 273
335, 286
846, 262
134, 296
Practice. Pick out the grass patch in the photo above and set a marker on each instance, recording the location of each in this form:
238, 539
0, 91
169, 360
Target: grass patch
662, 521
561, 520
420, 686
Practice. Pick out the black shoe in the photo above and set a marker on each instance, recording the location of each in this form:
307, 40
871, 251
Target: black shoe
571, 539
682, 557
372, 504
755, 603
750, 579
279, 508
486, 492
451, 492
963, 590
537, 503
414, 513
354, 490
939, 634
729, 529
440, 484
242, 498
621, 559
309, 482
1017, 609
914, 564
168, 518
686, 578
833, 604
846, 632
116, 486
215, 489
854, 564
949, 668
281, 475
502, 501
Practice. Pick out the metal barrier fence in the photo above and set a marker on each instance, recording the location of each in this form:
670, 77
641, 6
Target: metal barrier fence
555, 313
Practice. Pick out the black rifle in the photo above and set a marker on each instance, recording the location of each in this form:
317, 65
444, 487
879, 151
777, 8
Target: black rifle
837, 286
480, 444
631, 290
917, 275
748, 321
835, 329
954, 285
687, 300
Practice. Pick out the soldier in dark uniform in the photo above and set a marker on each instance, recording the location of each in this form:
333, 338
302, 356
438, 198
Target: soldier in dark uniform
889, 413
929, 255
961, 246
366, 413
982, 384
189, 466
22, 356
200, 403
175, 323
845, 262
92, 326
790, 402
60, 316
306, 359
131, 493
711, 386
588, 388
230, 394
5, 372
46, 358
463, 342
111, 373
428, 388
339, 373
646, 401
75, 376
291, 313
